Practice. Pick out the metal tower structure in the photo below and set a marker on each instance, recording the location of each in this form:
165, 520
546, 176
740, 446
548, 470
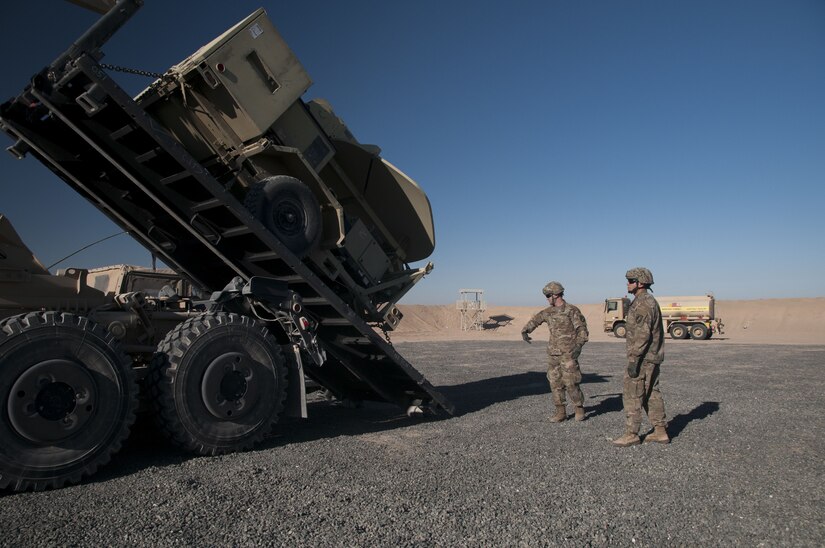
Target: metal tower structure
471, 305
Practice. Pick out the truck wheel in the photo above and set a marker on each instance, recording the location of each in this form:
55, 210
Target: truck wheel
69, 399
289, 210
678, 331
698, 332
218, 383
620, 330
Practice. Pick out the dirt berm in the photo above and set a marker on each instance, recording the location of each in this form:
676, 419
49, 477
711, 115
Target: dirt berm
766, 321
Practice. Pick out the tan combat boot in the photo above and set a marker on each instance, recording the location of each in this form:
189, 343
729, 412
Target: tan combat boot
659, 435
560, 415
628, 439
579, 413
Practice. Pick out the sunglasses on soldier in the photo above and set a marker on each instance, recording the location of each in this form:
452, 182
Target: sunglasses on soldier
632, 281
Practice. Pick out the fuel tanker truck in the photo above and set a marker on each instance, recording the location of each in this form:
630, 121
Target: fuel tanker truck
301, 238
693, 316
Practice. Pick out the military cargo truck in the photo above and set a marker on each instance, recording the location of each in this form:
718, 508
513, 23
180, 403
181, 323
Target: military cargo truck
138, 306
682, 316
303, 237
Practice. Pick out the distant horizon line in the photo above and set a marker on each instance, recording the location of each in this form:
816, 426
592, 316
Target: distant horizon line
718, 300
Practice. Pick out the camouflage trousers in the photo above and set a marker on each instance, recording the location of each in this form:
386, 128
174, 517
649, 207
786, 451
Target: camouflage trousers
643, 393
564, 375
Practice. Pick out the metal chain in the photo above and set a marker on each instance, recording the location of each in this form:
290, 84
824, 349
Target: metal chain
131, 71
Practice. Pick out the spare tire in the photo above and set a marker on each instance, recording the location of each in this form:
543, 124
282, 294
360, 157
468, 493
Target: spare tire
289, 209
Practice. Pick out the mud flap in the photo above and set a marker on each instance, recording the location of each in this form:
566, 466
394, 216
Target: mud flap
295, 404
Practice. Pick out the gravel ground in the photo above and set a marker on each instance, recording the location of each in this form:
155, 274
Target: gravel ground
745, 466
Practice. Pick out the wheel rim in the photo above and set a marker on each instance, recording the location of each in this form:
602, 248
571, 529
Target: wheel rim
52, 401
288, 209
288, 217
229, 388
70, 398
228, 385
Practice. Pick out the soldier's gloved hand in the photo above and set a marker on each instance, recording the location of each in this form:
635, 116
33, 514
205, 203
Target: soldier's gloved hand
633, 368
526, 337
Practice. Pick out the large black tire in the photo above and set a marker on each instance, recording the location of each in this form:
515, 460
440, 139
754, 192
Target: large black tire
678, 331
68, 399
218, 383
620, 330
289, 209
698, 332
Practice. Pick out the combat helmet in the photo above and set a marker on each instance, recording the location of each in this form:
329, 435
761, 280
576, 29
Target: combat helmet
553, 288
640, 273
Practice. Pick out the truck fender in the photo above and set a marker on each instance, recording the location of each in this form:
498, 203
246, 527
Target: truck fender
231, 291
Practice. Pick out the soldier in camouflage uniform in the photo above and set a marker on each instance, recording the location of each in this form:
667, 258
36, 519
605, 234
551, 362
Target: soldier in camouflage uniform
645, 352
568, 333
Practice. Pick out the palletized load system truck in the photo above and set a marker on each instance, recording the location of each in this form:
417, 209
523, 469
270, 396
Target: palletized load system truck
693, 316
303, 237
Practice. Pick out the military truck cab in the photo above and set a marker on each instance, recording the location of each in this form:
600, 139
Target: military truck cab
615, 311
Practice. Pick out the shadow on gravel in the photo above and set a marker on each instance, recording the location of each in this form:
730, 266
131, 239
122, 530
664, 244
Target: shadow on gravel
146, 448
475, 396
610, 404
331, 419
702, 411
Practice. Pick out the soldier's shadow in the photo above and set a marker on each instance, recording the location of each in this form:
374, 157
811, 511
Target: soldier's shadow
610, 404
613, 403
475, 396
701, 411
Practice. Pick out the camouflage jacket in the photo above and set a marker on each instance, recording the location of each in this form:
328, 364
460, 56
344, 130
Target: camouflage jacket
645, 334
568, 328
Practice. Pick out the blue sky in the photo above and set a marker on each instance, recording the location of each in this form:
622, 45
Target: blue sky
564, 140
